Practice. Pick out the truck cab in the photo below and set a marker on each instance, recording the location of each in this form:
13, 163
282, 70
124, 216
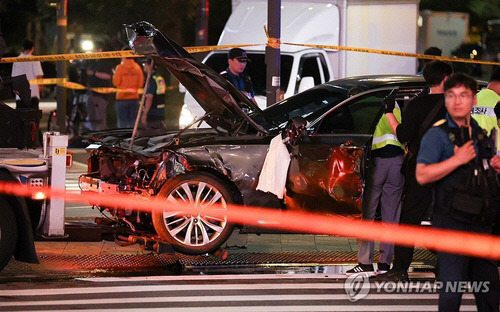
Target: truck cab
301, 67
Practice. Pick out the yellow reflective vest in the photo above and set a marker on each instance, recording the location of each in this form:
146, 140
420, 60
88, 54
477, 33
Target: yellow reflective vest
484, 112
383, 134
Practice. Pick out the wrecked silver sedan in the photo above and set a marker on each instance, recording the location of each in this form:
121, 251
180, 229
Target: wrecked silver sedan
326, 134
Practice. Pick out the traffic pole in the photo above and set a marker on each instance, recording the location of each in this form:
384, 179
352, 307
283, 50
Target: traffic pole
61, 66
273, 59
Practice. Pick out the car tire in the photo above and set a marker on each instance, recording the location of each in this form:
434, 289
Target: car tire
194, 234
8, 233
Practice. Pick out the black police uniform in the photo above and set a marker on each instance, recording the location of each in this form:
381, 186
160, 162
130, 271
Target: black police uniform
464, 202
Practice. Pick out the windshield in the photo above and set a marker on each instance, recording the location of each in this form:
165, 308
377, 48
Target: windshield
308, 104
256, 69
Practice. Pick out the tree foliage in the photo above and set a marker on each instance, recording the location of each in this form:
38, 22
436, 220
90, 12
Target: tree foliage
106, 18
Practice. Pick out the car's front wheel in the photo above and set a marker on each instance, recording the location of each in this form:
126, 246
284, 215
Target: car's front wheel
194, 234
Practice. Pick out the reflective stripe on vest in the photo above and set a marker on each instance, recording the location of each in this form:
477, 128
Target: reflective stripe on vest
161, 88
383, 134
484, 113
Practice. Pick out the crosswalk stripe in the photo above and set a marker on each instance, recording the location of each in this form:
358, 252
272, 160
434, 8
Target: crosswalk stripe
111, 289
329, 277
260, 292
222, 298
273, 308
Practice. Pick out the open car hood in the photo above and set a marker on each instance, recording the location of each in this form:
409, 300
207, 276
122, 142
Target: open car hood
219, 98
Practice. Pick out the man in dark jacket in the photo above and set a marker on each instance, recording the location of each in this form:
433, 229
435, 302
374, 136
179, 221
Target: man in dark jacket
419, 116
154, 106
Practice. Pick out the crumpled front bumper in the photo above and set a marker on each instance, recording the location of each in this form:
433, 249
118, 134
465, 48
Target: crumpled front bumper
93, 185
90, 184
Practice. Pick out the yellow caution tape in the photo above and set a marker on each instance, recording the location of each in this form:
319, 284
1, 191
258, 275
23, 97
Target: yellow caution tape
389, 52
273, 42
106, 55
47, 81
218, 47
71, 56
73, 85
62, 82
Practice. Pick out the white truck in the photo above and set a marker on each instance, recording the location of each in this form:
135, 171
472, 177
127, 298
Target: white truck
376, 24
445, 30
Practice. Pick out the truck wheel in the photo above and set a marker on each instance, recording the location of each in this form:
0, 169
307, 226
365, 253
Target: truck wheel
8, 233
194, 234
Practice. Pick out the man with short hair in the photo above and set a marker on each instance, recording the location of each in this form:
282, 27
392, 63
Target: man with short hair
32, 70
420, 114
99, 73
429, 51
235, 73
457, 157
484, 112
383, 188
154, 106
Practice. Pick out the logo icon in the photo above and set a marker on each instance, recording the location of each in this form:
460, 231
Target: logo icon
357, 286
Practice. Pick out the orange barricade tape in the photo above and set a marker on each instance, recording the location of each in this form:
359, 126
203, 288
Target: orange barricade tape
108, 54
74, 85
272, 42
473, 244
395, 53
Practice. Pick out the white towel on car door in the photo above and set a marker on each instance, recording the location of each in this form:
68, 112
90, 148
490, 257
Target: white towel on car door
272, 178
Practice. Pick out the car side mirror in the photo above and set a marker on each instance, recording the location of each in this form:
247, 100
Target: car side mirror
306, 83
295, 129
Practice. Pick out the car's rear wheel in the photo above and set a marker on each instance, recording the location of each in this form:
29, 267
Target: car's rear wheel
8, 233
194, 234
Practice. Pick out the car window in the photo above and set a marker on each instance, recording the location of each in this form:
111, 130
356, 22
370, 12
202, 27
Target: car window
357, 116
325, 67
256, 69
304, 104
308, 67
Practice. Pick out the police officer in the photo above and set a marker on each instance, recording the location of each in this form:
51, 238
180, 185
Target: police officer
237, 60
385, 187
154, 108
487, 98
458, 157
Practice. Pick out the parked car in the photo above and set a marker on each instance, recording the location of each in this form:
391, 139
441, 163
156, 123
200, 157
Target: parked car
222, 164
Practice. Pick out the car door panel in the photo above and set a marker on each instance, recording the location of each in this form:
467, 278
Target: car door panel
327, 172
325, 175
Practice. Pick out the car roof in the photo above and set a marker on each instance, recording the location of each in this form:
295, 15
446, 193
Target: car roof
376, 81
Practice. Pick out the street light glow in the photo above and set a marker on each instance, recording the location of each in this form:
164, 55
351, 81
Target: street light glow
87, 45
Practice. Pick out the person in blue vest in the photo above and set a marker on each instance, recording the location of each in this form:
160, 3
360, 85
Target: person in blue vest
459, 159
153, 115
237, 60
385, 187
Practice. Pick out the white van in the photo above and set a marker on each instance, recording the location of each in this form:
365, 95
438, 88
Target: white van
301, 67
